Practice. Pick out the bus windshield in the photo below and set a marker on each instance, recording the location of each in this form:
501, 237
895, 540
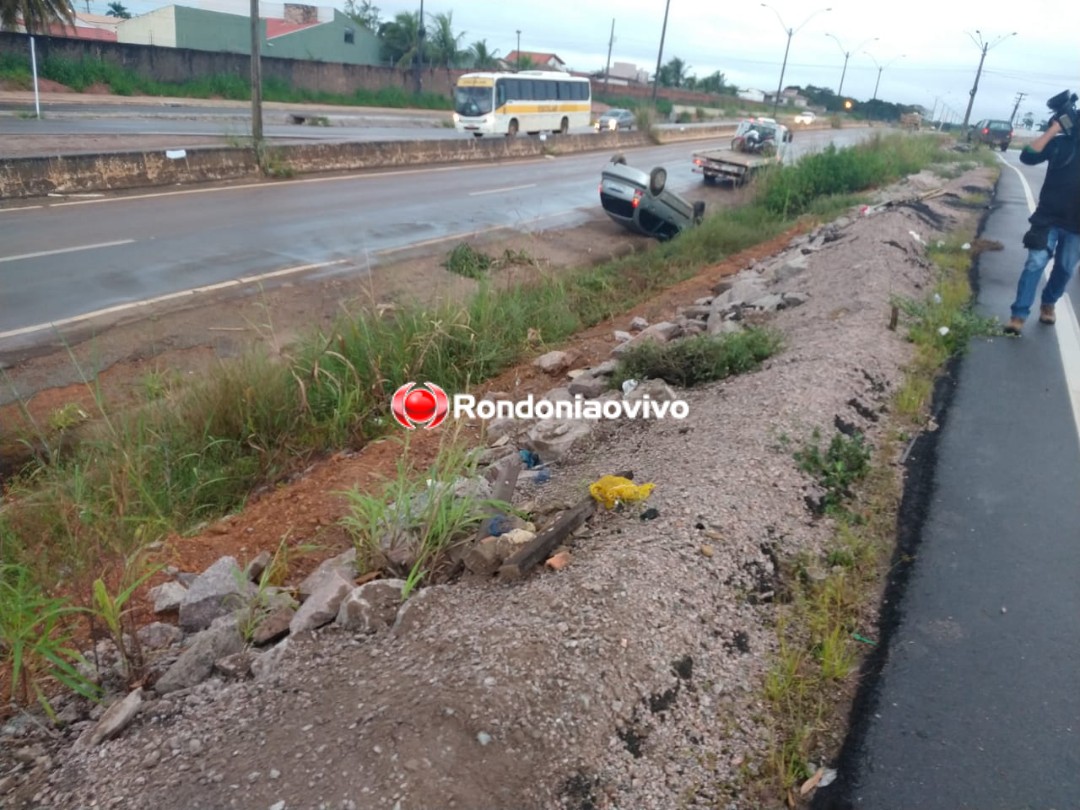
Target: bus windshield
472, 101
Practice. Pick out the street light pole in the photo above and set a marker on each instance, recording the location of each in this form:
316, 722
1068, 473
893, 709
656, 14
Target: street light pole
881, 68
790, 33
419, 62
517, 53
660, 54
984, 47
847, 55
256, 81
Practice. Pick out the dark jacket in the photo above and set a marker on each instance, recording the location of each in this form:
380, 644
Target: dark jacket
1059, 199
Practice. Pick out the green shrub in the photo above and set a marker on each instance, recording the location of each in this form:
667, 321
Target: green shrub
698, 359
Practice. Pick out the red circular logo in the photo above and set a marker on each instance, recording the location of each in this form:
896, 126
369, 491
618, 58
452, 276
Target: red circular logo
427, 406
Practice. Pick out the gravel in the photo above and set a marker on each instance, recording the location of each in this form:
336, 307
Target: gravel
631, 679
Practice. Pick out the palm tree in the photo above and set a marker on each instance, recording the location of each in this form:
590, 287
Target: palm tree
364, 13
445, 45
116, 9
400, 39
483, 59
674, 73
35, 15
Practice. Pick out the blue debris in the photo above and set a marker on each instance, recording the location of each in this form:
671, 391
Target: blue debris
500, 524
529, 459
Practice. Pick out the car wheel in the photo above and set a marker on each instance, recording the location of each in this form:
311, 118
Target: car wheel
657, 180
564, 126
512, 130
1004, 147
699, 212
710, 179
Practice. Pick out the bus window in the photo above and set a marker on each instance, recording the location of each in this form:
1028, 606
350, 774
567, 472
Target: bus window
500, 92
566, 90
513, 89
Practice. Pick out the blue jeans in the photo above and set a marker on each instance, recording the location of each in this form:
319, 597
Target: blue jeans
1064, 246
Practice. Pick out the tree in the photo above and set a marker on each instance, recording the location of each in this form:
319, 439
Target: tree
525, 62
1028, 120
400, 39
674, 73
444, 44
35, 15
364, 13
483, 59
116, 9
716, 83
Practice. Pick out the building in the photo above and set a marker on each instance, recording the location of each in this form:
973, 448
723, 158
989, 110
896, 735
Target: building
87, 26
751, 95
300, 32
536, 61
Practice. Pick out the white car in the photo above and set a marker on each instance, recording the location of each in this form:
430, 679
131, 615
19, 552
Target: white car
805, 117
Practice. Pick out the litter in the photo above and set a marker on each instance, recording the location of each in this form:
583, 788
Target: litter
857, 637
530, 459
613, 489
629, 386
650, 514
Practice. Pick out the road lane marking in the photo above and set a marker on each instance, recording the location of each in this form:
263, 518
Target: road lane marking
58, 251
501, 190
21, 208
1067, 330
222, 285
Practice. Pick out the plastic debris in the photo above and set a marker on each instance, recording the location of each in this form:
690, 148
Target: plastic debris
557, 562
500, 524
966, 246
529, 459
916, 237
613, 489
857, 637
828, 777
937, 298
943, 330
543, 475
650, 514
629, 386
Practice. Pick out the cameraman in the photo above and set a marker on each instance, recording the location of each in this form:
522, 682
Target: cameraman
1055, 225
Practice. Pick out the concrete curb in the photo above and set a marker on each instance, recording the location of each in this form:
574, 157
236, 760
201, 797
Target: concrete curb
74, 174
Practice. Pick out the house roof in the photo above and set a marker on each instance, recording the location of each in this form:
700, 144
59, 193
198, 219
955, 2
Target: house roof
276, 27
537, 58
82, 32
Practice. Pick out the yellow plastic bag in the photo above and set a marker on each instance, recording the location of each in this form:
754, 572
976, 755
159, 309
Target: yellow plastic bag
613, 489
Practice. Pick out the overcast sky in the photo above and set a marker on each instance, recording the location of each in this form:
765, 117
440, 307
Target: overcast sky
926, 50
923, 47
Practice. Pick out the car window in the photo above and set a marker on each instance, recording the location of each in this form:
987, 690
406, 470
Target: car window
1000, 125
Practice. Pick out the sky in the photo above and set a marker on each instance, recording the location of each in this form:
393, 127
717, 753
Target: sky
923, 52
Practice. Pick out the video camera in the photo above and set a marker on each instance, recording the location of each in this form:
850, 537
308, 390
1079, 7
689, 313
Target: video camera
1063, 107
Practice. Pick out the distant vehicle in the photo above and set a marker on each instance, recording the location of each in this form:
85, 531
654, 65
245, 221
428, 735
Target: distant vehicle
531, 101
806, 117
992, 132
614, 120
739, 163
641, 202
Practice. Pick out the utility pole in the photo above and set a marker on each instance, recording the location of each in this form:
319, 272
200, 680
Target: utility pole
1019, 97
660, 54
256, 81
517, 53
611, 42
984, 47
420, 51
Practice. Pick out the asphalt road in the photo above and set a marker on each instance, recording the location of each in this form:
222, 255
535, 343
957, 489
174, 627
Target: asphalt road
977, 704
62, 260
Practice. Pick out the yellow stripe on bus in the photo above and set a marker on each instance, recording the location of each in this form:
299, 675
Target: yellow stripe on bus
474, 82
521, 108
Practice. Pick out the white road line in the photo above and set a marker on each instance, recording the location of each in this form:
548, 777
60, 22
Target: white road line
1067, 329
501, 190
26, 330
20, 208
58, 251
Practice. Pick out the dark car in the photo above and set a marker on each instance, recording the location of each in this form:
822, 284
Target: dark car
640, 202
992, 132
614, 120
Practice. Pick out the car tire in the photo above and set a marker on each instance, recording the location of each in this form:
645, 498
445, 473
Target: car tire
657, 180
1004, 147
710, 179
564, 126
512, 129
699, 212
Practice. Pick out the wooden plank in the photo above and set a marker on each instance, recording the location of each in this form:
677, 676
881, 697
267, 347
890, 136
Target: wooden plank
539, 548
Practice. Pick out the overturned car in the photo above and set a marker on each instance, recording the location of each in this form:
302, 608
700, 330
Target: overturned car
640, 202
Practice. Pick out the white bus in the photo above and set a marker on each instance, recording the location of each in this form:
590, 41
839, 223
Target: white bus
531, 101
